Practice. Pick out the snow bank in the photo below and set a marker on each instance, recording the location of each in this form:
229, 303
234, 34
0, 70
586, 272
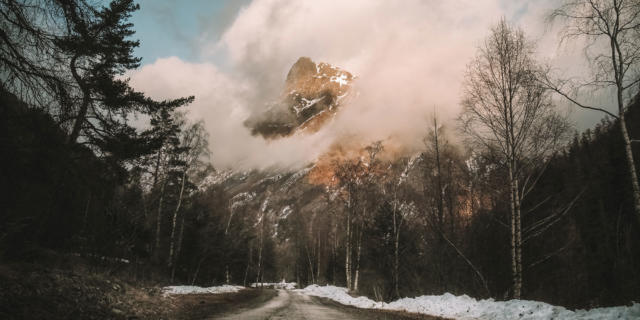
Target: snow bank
276, 285
466, 308
199, 290
340, 295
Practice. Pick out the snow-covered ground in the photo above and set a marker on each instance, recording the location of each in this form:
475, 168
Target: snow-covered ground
276, 285
198, 290
466, 308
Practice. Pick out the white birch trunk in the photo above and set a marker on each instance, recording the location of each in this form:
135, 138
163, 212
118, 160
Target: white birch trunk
175, 218
359, 250
259, 275
630, 162
347, 259
318, 259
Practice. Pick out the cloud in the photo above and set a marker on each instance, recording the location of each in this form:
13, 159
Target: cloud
409, 56
220, 102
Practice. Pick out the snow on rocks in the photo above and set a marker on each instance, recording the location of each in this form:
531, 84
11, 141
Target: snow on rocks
467, 308
341, 79
171, 290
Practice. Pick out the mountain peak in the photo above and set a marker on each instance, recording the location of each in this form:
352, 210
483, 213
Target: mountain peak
301, 69
312, 95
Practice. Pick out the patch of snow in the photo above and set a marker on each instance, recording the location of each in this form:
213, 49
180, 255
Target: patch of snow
341, 79
408, 209
306, 103
295, 177
467, 308
276, 285
215, 178
263, 208
172, 290
285, 212
333, 192
270, 179
340, 295
405, 174
241, 199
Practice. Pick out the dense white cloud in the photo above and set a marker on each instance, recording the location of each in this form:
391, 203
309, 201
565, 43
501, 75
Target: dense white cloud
410, 57
220, 101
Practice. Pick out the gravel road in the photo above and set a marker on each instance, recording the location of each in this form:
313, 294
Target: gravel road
293, 305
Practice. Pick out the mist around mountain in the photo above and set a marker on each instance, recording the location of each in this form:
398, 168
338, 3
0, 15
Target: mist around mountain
323, 185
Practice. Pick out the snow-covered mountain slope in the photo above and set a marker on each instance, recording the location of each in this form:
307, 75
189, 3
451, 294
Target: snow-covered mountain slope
282, 196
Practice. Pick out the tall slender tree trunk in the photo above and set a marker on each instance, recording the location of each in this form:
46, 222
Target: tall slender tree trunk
180, 237
306, 247
396, 245
318, 259
195, 273
441, 258
175, 219
619, 67
178, 247
259, 275
334, 254
347, 259
396, 263
249, 259
451, 206
439, 173
630, 162
159, 220
516, 251
358, 253
518, 221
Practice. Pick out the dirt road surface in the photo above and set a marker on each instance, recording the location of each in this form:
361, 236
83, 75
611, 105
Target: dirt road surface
294, 305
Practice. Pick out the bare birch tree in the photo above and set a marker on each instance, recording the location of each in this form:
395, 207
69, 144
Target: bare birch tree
193, 142
505, 109
402, 209
612, 28
434, 185
356, 182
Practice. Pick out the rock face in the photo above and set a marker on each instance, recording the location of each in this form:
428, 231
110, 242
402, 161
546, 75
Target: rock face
312, 95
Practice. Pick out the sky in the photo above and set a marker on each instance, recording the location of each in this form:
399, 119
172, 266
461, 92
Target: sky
409, 56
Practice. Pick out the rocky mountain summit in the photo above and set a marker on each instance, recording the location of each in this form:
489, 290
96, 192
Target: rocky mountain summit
312, 95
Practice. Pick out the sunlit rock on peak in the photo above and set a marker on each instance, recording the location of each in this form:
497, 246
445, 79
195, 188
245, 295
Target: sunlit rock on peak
312, 95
